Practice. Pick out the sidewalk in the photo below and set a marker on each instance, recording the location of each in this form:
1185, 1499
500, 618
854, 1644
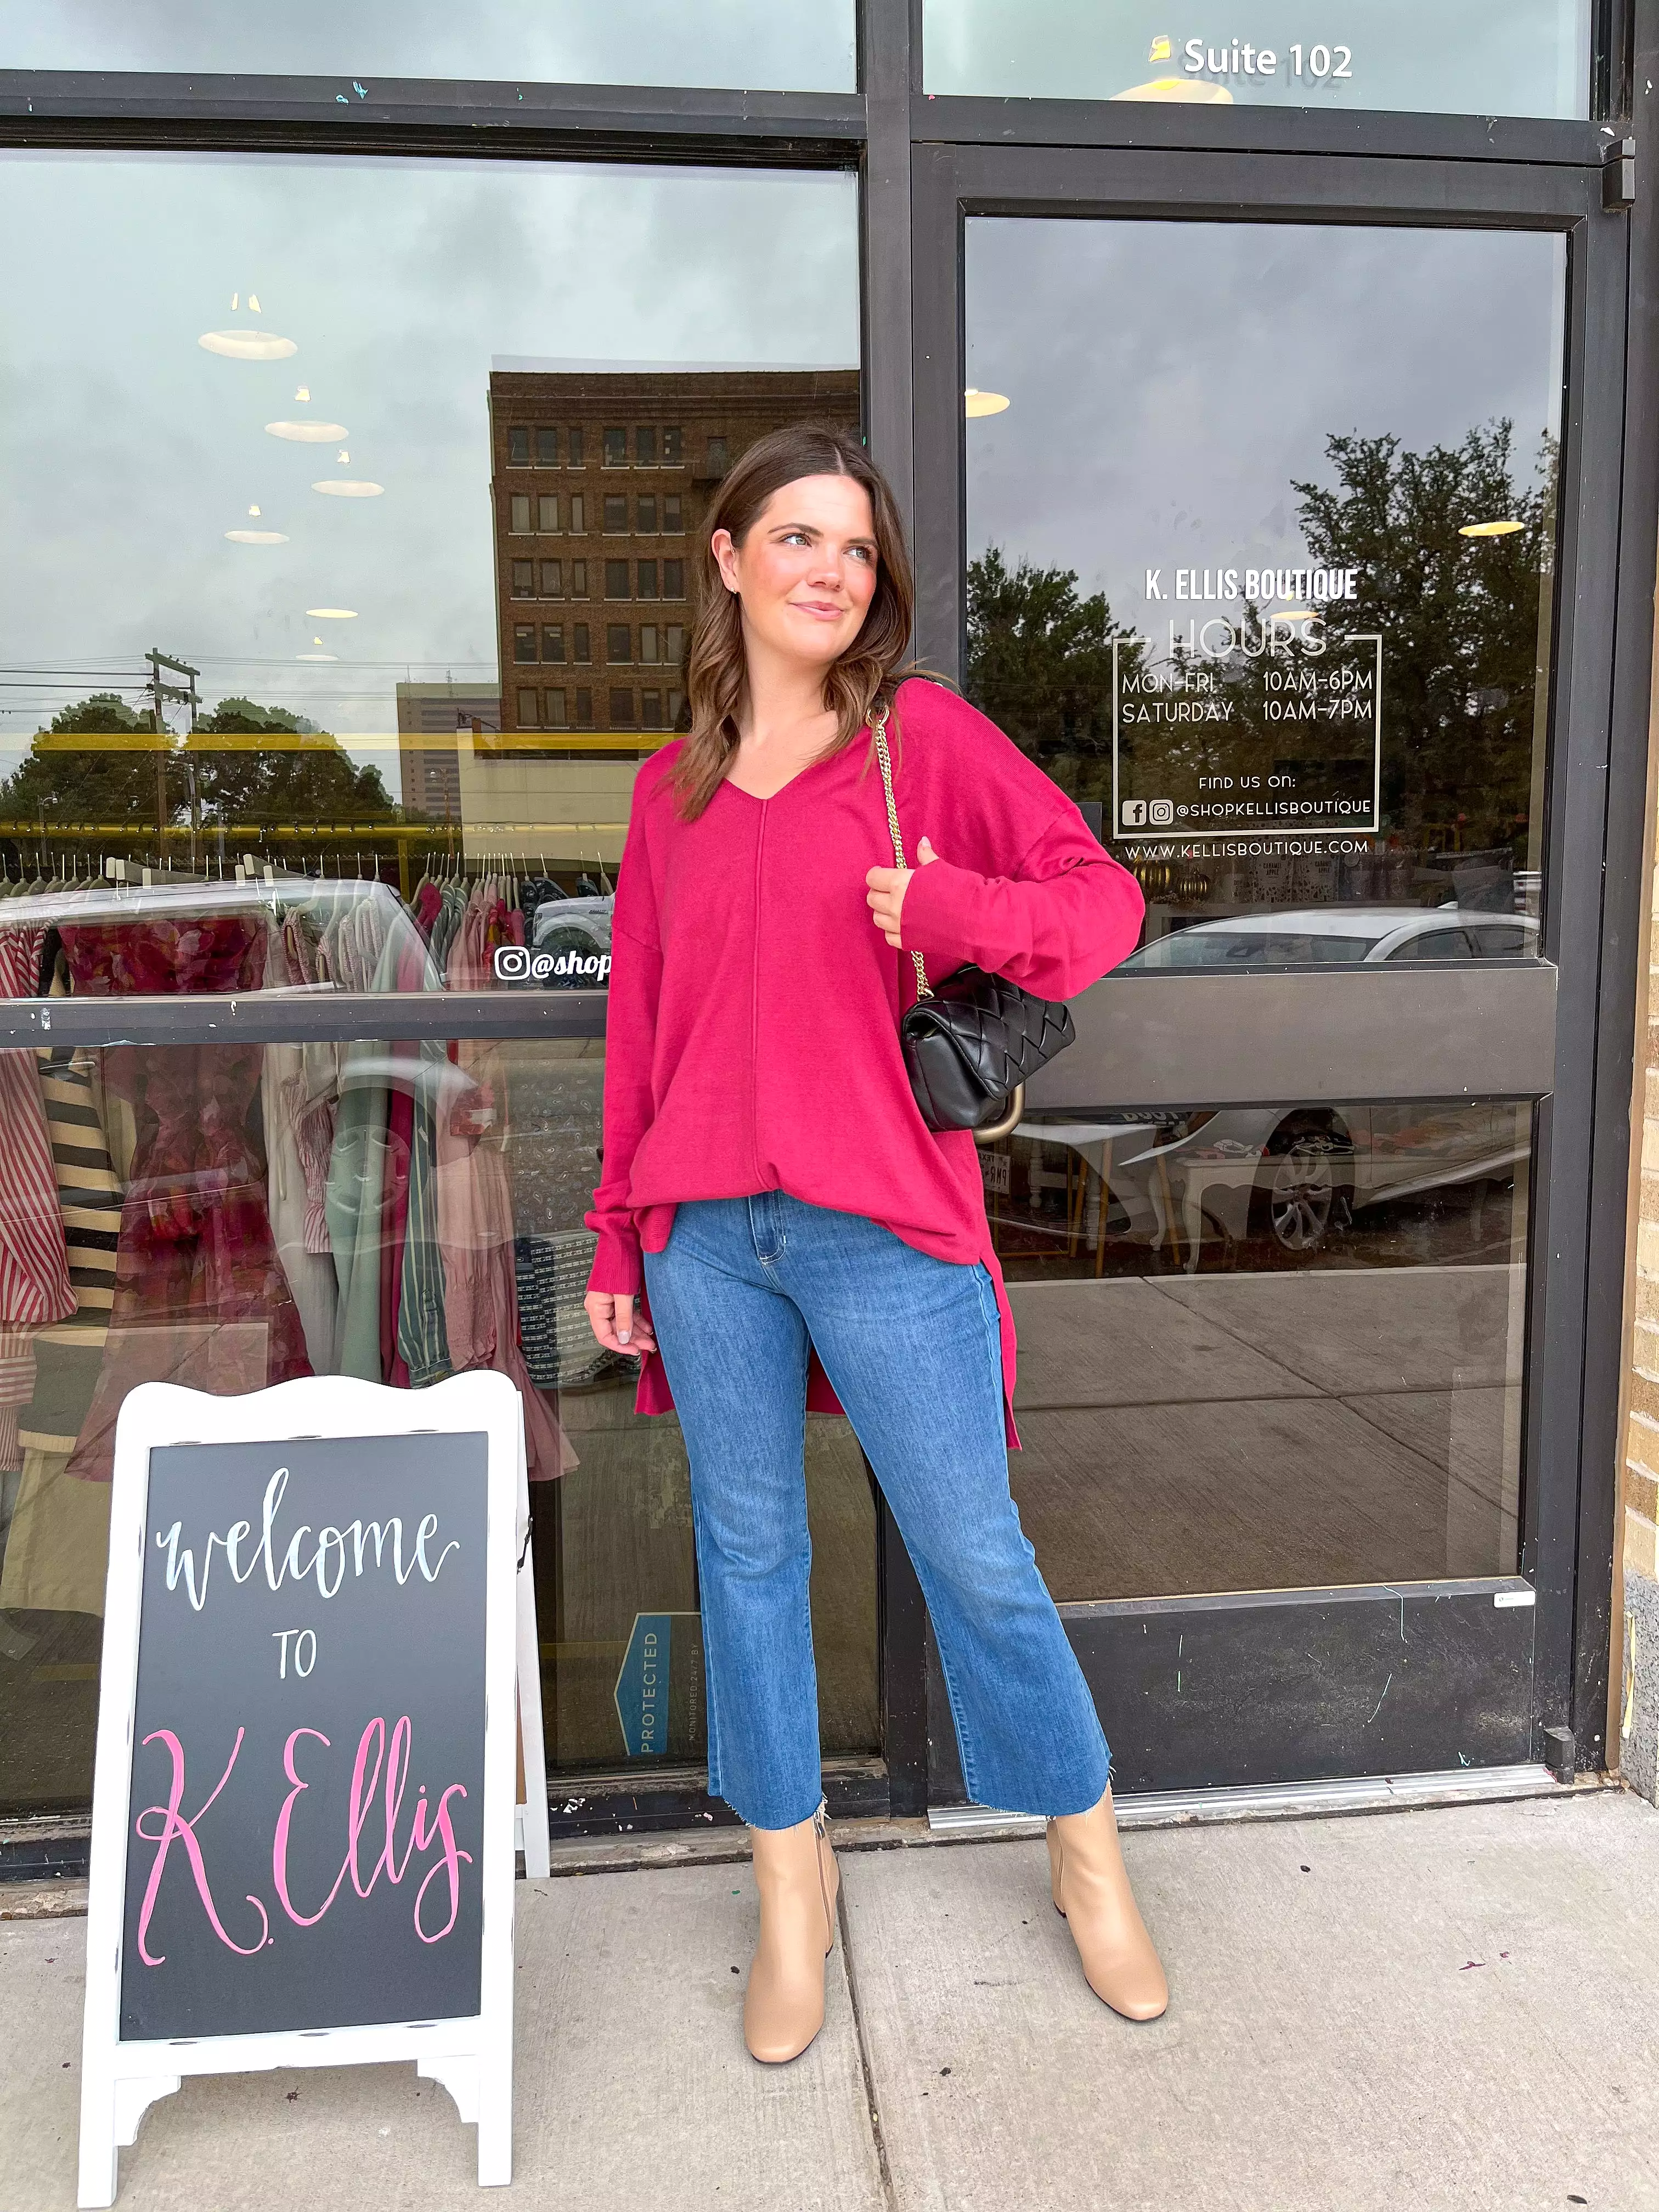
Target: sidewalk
1455, 2007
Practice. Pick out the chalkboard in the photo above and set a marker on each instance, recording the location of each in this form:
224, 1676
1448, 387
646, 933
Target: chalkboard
304, 1804
311, 1667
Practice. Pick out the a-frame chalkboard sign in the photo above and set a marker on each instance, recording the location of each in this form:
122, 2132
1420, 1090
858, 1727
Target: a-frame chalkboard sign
303, 1811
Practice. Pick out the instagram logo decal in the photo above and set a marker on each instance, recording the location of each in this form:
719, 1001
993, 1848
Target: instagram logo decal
517, 963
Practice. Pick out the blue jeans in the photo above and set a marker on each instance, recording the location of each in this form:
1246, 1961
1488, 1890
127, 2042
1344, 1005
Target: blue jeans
745, 1289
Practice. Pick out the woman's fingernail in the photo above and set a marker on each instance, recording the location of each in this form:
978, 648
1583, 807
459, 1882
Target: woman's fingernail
623, 1335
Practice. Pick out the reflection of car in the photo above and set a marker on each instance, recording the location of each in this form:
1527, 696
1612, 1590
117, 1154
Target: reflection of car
579, 921
576, 933
1295, 1174
1329, 935
1292, 1174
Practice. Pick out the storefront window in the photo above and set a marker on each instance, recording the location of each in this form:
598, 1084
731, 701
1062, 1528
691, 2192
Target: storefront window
1486, 58
1269, 1348
319, 684
228, 1216
1261, 529
645, 42
312, 541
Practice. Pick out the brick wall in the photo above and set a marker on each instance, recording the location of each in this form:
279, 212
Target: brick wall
1634, 1723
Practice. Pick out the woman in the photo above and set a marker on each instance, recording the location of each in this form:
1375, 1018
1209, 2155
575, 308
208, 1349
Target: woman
795, 1227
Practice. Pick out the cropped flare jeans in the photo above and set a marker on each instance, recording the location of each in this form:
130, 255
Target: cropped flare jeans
744, 1291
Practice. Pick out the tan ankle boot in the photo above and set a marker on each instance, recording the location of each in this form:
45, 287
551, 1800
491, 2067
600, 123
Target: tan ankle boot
1090, 1888
795, 1873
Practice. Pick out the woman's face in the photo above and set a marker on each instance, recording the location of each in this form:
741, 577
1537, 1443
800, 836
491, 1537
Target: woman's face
806, 568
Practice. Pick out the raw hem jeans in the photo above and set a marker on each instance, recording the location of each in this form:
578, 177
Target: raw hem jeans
745, 1289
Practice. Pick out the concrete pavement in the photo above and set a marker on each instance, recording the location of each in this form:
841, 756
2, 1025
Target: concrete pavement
1454, 2008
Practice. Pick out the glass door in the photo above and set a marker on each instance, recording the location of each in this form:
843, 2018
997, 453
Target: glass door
1257, 532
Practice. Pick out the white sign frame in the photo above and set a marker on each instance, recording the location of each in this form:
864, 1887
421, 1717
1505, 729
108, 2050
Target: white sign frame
472, 2057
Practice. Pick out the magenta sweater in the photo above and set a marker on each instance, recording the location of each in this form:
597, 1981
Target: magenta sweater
751, 1041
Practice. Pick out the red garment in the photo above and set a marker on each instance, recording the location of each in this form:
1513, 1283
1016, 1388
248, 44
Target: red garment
394, 1193
200, 1296
751, 1041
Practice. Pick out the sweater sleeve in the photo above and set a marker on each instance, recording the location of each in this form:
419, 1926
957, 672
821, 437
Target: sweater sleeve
630, 1032
1067, 915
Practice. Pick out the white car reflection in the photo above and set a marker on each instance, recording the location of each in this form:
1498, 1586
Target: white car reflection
1295, 1175
1328, 936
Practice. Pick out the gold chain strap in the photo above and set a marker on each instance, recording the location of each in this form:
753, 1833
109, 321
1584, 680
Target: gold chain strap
878, 731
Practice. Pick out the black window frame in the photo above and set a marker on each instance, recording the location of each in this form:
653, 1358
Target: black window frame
911, 153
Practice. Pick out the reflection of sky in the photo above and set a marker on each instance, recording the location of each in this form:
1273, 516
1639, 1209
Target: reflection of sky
804, 45
126, 451
1472, 57
1169, 380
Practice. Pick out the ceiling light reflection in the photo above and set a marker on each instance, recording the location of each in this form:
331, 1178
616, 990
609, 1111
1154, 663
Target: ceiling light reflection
332, 614
1506, 528
1185, 91
247, 345
345, 488
256, 537
308, 433
983, 402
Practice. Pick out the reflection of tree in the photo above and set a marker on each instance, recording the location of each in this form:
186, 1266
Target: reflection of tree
96, 767
1040, 665
1460, 619
67, 779
305, 777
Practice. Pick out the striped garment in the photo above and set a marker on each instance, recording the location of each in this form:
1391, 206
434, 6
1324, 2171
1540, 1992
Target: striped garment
34, 1277
87, 1192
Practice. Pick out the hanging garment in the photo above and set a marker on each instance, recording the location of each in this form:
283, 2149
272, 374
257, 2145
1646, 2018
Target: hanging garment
423, 1336
428, 905
561, 1351
34, 1272
475, 1213
194, 1258
355, 1197
318, 1100
309, 1274
88, 1191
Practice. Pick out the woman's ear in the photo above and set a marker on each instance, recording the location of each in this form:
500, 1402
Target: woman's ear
725, 559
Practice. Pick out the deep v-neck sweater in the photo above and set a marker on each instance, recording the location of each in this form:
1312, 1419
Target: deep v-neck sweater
752, 1040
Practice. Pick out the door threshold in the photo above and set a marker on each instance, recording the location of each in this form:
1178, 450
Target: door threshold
1274, 1800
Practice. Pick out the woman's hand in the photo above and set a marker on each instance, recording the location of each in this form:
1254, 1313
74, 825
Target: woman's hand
887, 890
611, 1319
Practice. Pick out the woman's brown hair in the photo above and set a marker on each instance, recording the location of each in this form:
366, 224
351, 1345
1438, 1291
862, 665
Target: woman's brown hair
715, 670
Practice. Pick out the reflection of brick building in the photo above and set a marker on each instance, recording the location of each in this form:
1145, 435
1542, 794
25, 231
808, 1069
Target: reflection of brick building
601, 480
429, 716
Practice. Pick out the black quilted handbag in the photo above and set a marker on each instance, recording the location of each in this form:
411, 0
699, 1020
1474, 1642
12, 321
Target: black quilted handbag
971, 1043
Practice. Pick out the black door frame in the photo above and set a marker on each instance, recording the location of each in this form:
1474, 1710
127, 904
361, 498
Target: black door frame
896, 135
1504, 1673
